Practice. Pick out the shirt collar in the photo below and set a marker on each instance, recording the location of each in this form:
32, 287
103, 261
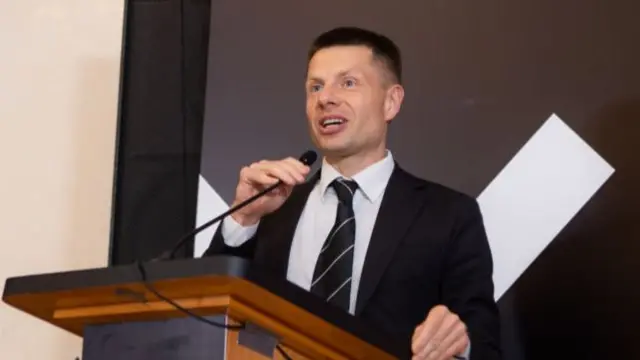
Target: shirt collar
371, 181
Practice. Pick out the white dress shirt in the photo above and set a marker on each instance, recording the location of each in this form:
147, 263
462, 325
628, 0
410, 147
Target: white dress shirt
318, 217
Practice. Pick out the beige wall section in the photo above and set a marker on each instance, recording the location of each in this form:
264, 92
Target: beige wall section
59, 78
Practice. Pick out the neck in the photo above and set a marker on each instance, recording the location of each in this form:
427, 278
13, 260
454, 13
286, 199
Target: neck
350, 165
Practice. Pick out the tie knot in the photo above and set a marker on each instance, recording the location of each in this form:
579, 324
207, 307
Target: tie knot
345, 189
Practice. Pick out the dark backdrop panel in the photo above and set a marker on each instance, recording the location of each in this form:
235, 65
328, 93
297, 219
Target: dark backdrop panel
481, 78
162, 102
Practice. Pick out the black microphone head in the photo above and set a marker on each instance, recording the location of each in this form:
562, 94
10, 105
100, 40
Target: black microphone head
309, 157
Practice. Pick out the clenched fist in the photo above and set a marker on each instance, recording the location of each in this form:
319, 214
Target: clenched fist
260, 175
442, 336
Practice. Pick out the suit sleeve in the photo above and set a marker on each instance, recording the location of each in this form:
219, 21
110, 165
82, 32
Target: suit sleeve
467, 285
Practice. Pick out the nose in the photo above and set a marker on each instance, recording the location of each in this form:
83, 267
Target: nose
327, 97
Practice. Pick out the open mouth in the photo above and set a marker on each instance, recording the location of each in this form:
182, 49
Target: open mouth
332, 122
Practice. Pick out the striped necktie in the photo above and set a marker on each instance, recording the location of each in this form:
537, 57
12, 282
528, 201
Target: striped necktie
332, 275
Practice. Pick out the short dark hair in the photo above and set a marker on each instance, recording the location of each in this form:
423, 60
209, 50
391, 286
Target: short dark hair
383, 48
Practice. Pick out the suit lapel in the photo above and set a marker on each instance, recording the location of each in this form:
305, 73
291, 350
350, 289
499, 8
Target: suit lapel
285, 223
401, 202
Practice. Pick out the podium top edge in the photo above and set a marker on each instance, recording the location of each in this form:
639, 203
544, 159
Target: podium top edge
228, 266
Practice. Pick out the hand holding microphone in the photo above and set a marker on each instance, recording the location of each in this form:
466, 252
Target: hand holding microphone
263, 188
261, 175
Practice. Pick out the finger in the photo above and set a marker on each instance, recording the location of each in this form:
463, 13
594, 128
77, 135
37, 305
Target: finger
284, 190
295, 169
429, 328
276, 170
293, 173
457, 345
284, 167
434, 349
304, 169
256, 177
450, 343
416, 332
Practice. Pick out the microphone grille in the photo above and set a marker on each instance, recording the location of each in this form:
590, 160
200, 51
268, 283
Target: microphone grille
309, 157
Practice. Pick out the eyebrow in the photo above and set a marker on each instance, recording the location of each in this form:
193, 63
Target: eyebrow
340, 74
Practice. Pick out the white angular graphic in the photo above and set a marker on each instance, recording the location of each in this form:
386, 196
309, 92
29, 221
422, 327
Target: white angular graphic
536, 195
527, 204
210, 205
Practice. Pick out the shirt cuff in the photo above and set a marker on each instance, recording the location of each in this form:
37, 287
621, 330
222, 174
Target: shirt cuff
465, 354
235, 234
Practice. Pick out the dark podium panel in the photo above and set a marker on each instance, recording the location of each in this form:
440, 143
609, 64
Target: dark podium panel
171, 339
121, 317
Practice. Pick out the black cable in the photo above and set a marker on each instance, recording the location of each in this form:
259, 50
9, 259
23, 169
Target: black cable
283, 353
184, 115
171, 253
147, 284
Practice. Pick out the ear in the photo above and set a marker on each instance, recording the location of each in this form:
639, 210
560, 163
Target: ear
393, 101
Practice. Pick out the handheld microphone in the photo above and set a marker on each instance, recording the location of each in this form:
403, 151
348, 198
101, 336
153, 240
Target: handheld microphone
308, 158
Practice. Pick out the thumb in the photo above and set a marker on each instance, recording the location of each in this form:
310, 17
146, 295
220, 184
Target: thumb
417, 331
284, 190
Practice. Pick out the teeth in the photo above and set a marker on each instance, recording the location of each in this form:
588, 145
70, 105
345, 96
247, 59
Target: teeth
332, 121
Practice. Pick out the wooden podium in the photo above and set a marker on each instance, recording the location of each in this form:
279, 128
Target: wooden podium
120, 316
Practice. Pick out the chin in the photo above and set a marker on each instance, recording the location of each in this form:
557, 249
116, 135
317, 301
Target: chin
335, 150
336, 146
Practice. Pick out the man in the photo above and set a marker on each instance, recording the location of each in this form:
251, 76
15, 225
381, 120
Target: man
407, 255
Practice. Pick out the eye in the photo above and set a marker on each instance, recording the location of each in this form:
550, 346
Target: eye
349, 83
315, 87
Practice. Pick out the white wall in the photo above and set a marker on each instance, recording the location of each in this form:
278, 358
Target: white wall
59, 75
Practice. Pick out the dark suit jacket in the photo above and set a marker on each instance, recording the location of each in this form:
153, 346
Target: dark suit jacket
428, 247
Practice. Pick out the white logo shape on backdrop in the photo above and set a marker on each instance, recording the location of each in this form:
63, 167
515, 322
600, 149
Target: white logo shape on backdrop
525, 206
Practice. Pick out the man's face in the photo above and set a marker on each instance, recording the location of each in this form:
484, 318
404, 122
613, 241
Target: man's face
350, 99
